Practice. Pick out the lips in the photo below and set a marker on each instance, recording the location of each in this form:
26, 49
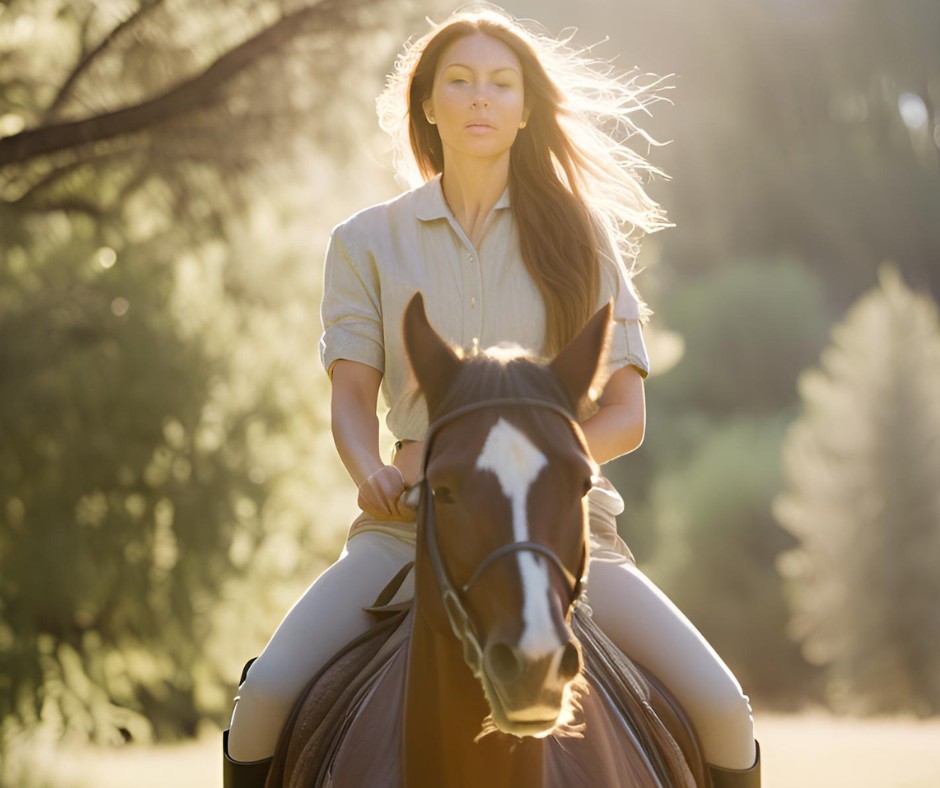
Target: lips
479, 124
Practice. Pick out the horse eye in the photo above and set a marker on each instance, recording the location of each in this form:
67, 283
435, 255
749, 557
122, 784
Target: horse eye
443, 495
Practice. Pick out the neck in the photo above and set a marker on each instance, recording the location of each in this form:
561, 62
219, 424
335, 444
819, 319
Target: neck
443, 713
444, 708
471, 188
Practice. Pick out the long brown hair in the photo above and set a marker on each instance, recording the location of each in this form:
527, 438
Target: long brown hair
574, 186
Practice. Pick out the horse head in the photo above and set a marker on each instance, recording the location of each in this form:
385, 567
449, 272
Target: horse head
502, 542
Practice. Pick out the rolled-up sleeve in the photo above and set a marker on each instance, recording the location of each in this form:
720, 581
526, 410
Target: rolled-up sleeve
626, 346
351, 309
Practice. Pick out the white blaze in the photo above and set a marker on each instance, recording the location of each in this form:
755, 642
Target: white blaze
516, 462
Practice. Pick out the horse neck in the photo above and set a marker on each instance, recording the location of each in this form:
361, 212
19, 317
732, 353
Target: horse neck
445, 709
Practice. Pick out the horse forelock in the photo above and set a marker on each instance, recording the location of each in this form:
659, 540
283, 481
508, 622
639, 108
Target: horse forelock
504, 371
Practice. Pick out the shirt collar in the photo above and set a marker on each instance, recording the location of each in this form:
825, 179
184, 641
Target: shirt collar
432, 205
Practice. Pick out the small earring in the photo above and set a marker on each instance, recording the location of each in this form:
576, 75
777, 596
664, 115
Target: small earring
430, 120
522, 125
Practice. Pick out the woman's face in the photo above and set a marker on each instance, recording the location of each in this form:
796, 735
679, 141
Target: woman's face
477, 101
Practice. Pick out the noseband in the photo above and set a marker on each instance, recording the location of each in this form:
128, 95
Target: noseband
453, 597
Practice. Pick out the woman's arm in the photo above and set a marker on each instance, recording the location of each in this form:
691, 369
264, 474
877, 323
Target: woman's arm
619, 425
616, 428
356, 435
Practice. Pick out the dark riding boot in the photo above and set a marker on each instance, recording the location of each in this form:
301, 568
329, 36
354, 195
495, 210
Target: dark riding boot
242, 774
737, 778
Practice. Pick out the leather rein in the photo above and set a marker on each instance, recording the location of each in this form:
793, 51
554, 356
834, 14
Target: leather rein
453, 597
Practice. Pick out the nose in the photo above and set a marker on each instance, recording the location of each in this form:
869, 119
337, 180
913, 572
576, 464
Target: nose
480, 101
508, 665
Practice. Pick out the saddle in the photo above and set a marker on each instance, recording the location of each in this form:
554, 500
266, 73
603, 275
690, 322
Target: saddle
312, 738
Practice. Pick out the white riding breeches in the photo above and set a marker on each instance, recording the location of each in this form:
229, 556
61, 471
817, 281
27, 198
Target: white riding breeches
626, 605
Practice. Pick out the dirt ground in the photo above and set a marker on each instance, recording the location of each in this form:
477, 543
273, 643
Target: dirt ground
806, 751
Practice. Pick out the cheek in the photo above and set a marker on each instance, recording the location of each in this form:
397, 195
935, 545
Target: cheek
513, 102
447, 99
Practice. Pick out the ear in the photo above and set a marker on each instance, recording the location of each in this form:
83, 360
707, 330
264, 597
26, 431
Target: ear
578, 363
434, 363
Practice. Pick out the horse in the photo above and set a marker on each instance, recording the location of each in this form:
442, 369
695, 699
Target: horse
494, 674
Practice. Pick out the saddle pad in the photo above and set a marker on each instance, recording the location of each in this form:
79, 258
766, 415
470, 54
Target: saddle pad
313, 736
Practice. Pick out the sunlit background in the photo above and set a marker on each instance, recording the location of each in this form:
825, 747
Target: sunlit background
169, 174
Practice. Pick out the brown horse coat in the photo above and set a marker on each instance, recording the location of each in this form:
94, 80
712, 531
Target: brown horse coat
399, 707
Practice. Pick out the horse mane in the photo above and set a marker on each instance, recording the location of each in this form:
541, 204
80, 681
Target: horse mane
506, 370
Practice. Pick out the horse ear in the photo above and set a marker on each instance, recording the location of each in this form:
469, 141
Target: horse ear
434, 363
579, 361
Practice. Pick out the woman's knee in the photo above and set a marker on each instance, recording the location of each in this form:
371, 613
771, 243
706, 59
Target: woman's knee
725, 726
650, 629
268, 688
723, 704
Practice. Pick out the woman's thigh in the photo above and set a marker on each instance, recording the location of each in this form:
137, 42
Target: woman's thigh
329, 614
326, 617
648, 627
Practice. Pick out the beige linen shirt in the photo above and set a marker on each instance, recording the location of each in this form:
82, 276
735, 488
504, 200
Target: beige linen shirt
377, 260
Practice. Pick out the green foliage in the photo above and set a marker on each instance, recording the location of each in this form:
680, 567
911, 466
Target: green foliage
155, 431
168, 485
104, 485
861, 465
749, 327
717, 548
699, 493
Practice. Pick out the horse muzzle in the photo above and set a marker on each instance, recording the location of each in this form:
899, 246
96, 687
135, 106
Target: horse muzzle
530, 690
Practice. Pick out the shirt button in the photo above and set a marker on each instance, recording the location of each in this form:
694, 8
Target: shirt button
473, 302
469, 258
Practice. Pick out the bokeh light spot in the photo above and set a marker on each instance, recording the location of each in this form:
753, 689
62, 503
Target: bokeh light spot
913, 110
106, 257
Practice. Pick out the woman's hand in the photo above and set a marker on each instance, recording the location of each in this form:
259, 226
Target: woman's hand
408, 460
380, 495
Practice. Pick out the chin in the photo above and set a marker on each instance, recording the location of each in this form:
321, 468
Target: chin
514, 723
485, 149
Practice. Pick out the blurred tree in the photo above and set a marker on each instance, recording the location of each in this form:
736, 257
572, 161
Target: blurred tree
194, 97
162, 449
861, 467
698, 512
716, 551
748, 329
799, 128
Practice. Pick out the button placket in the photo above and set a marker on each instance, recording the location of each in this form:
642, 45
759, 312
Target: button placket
477, 313
469, 279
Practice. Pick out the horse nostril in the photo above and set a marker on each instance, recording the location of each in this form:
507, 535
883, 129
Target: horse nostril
502, 663
570, 664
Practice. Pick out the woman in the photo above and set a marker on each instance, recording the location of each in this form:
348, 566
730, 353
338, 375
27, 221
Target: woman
514, 235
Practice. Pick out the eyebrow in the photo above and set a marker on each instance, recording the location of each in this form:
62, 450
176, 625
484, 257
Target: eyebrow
513, 69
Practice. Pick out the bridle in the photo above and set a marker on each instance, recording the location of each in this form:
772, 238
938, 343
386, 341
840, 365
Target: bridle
453, 597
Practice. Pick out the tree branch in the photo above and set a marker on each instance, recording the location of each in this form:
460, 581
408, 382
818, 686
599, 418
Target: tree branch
194, 94
90, 57
67, 205
50, 179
